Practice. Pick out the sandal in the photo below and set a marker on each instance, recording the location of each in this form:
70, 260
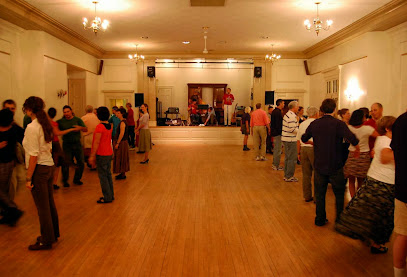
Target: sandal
103, 201
378, 250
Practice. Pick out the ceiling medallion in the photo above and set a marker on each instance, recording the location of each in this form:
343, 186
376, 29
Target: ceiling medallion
272, 57
136, 57
317, 23
96, 24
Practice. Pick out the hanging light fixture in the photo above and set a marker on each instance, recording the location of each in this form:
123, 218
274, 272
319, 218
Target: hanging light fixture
96, 24
272, 57
136, 57
317, 23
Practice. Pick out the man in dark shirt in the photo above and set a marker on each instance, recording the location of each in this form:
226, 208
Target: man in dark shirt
328, 134
276, 125
399, 147
72, 146
10, 134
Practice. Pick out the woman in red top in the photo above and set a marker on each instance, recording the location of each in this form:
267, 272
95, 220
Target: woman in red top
101, 154
57, 153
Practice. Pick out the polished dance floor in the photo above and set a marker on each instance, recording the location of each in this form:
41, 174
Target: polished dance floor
194, 210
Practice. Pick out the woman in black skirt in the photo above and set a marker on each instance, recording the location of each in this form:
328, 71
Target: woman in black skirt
369, 216
121, 162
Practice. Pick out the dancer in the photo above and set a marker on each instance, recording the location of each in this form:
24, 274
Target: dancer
40, 170
145, 135
121, 162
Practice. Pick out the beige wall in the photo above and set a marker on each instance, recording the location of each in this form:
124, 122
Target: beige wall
375, 60
35, 63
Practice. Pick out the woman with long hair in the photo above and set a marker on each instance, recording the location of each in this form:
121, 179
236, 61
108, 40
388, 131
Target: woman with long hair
369, 215
145, 135
121, 162
101, 154
37, 144
358, 164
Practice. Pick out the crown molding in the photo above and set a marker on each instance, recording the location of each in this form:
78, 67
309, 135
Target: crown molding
384, 18
28, 17
200, 55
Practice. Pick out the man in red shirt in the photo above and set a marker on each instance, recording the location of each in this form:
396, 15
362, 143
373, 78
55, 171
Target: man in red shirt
227, 101
260, 127
377, 114
131, 124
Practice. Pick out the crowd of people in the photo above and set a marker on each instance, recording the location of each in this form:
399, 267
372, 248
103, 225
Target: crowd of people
98, 138
362, 148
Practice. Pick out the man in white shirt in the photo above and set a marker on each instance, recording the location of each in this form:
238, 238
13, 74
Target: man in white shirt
91, 121
289, 139
306, 154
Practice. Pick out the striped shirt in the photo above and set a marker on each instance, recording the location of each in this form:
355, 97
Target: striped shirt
290, 127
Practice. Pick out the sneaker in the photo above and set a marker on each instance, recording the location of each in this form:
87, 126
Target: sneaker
258, 158
263, 158
291, 179
280, 168
55, 186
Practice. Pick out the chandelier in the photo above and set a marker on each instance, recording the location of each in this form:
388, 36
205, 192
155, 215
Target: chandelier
97, 23
272, 57
136, 57
317, 23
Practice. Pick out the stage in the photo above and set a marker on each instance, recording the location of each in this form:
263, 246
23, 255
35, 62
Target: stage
219, 135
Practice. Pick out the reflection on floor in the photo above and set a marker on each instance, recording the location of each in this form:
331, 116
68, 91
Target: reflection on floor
192, 211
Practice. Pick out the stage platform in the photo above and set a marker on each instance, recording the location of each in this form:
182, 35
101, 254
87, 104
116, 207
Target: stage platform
219, 135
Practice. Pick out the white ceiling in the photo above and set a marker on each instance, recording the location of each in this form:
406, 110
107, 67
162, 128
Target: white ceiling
236, 27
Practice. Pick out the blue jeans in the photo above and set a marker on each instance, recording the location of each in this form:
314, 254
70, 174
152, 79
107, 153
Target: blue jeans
290, 158
104, 165
321, 181
277, 151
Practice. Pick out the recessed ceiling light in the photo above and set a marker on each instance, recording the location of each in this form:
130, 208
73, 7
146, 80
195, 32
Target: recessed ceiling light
264, 37
144, 37
186, 42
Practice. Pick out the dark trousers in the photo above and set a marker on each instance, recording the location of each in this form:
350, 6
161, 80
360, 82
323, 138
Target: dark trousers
321, 181
6, 171
43, 195
104, 165
72, 151
131, 136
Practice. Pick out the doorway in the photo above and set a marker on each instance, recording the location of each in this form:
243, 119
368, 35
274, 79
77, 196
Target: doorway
76, 96
164, 95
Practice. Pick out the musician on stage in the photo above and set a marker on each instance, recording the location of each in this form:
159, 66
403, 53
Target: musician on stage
227, 101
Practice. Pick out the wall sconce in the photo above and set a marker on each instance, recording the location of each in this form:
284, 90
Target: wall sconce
353, 91
61, 93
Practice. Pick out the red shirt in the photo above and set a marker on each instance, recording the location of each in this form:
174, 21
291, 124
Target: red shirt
259, 118
193, 109
105, 145
371, 122
54, 124
228, 98
130, 118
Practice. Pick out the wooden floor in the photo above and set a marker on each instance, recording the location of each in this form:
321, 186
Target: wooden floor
192, 211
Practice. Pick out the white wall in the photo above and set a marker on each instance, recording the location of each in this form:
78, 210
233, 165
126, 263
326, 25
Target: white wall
56, 79
290, 81
118, 76
239, 80
34, 64
375, 60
